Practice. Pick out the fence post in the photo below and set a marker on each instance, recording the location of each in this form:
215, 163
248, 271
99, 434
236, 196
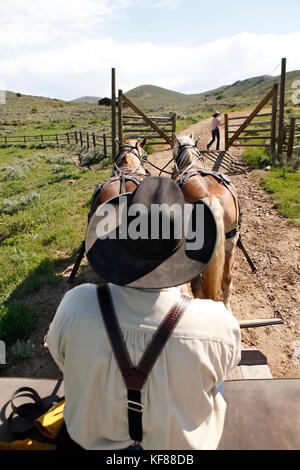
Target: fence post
68, 137
273, 125
104, 145
120, 116
87, 140
76, 137
226, 129
81, 141
281, 109
174, 121
113, 113
57, 139
291, 138
94, 139
42, 138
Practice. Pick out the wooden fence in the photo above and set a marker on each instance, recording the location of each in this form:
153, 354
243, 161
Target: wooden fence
158, 129
263, 130
87, 139
134, 127
292, 136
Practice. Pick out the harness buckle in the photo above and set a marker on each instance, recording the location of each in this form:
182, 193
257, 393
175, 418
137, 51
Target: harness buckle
135, 406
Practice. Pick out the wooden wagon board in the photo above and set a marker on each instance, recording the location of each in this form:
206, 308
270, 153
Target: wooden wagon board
262, 414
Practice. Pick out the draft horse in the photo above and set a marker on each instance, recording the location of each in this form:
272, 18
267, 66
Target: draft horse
127, 174
215, 189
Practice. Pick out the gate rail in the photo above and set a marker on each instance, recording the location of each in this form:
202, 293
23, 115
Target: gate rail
232, 134
152, 127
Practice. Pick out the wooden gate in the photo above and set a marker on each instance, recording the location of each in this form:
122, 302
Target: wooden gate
132, 126
263, 131
136, 125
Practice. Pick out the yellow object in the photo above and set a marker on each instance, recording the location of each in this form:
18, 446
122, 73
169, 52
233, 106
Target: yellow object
50, 423
27, 444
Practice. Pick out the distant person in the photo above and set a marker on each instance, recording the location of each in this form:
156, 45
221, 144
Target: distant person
216, 123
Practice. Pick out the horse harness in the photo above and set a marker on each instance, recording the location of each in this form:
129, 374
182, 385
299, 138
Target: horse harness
123, 174
220, 177
119, 174
135, 377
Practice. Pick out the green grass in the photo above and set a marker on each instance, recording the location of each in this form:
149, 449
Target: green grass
284, 187
16, 321
257, 157
42, 222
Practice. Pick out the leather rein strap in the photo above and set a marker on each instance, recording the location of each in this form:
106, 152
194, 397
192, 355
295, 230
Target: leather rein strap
135, 377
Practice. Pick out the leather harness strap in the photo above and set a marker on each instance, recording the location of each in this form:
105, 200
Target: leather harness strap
221, 178
135, 377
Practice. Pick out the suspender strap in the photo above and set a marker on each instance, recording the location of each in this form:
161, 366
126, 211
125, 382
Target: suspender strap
135, 377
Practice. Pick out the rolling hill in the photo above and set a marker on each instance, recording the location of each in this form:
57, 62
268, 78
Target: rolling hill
242, 92
87, 99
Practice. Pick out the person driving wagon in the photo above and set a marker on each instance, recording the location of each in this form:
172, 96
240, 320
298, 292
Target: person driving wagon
143, 364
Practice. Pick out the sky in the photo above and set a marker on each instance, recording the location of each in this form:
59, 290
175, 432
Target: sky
66, 48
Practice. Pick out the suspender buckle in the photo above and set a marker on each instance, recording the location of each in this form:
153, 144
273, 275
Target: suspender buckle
135, 406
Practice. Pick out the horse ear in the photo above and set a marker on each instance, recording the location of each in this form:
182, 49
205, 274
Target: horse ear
125, 141
192, 136
143, 142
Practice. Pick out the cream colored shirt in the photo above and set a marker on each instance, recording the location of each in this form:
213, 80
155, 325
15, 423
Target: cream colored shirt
182, 407
216, 123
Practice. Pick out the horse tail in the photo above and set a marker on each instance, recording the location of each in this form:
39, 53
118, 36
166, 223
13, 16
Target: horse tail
213, 273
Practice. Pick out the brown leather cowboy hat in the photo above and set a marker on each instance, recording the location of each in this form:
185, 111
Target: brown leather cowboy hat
150, 238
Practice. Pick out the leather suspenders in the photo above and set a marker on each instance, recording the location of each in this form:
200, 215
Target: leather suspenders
135, 377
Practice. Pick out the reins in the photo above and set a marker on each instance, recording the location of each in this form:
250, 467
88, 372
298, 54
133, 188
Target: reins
162, 170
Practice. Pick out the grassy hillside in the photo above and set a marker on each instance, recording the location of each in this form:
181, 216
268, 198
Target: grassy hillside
23, 110
87, 99
151, 93
240, 94
44, 202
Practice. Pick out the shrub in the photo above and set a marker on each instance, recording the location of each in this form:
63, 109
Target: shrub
13, 173
149, 149
89, 157
10, 207
21, 350
106, 163
16, 322
256, 158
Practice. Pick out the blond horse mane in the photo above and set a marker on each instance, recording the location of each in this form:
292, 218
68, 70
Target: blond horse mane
213, 274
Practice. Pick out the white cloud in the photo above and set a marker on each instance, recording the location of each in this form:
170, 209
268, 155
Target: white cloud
57, 51
39, 22
168, 4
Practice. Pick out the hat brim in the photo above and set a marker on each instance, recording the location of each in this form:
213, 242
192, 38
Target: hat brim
110, 259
